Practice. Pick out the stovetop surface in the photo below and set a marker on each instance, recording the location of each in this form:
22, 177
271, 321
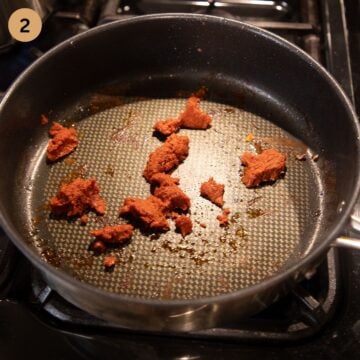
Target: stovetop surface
313, 322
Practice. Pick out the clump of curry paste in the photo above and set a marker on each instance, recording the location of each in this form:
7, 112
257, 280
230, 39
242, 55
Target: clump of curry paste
264, 167
168, 191
77, 197
168, 199
213, 191
191, 118
150, 212
114, 234
109, 262
64, 141
183, 225
110, 235
167, 156
168, 126
153, 212
84, 219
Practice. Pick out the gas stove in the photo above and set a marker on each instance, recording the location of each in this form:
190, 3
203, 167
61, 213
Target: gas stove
319, 319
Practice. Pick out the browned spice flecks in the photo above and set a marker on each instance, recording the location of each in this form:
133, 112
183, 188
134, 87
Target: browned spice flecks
76, 197
64, 141
224, 217
213, 191
191, 118
167, 156
183, 225
263, 167
114, 234
149, 211
169, 193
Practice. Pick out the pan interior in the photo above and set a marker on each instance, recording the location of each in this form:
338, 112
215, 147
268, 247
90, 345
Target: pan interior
270, 227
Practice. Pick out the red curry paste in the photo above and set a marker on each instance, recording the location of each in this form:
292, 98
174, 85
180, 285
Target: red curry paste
168, 126
64, 141
114, 234
110, 261
183, 225
213, 191
191, 118
150, 211
168, 191
167, 156
263, 167
76, 197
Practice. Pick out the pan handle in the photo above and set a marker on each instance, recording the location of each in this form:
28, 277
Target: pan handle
351, 242
347, 242
355, 218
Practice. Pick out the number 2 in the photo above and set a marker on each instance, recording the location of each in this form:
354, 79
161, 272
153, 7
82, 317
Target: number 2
26, 23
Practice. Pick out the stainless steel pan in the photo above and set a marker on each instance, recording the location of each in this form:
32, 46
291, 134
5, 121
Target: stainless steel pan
113, 83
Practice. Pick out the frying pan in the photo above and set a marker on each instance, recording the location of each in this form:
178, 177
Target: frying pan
113, 83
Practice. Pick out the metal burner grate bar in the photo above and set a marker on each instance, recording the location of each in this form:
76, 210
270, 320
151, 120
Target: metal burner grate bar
337, 47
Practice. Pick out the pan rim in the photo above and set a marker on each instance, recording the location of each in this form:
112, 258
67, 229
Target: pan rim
270, 282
